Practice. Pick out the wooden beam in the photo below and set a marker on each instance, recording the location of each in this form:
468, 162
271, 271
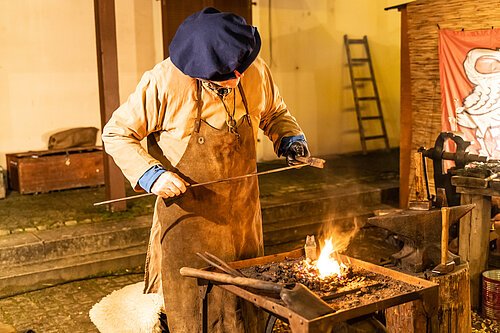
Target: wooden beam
405, 135
400, 6
109, 100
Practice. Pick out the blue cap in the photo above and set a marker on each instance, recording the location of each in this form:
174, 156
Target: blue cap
212, 45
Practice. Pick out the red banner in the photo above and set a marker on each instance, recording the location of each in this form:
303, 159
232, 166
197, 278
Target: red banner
469, 68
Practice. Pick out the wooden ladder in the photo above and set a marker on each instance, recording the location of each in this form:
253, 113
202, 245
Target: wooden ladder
361, 102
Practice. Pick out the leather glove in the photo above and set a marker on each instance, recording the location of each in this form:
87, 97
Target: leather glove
298, 148
169, 185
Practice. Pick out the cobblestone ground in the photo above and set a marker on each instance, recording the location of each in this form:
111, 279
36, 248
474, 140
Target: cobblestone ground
62, 308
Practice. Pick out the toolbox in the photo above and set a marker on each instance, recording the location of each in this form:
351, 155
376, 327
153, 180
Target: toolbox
49, 170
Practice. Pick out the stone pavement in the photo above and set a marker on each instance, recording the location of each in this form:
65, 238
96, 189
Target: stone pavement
62, 308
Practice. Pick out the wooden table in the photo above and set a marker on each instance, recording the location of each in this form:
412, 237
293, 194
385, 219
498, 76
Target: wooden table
474, 233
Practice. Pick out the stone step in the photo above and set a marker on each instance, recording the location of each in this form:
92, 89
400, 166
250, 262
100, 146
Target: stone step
340, 202
296, 229
32, 247
34, 276
42, 258
41, 246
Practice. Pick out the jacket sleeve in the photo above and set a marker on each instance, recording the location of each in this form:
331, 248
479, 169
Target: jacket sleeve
276, 121
131, 123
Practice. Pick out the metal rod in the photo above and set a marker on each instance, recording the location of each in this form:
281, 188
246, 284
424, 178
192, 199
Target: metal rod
225, 265
207, 183
210, 262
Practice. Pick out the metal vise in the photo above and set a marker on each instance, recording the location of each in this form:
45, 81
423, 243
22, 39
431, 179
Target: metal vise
460, 157
420, 232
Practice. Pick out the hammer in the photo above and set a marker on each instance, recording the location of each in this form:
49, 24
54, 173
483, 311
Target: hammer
444, 267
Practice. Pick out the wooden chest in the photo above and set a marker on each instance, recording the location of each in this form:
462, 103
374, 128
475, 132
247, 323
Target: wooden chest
48, 170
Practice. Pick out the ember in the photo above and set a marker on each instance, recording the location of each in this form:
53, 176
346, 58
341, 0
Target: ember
353, 287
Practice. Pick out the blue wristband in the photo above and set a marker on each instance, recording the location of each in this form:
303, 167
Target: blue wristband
149, 177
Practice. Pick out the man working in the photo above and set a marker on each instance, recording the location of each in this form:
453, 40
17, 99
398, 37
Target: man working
200, 110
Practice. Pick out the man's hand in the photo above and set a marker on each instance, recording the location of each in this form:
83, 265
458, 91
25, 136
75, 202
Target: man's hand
169, 185
298, 148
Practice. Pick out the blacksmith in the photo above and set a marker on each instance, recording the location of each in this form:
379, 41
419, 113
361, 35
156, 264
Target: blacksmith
200, 110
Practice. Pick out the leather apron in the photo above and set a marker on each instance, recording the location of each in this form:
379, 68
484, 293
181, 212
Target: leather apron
222, 218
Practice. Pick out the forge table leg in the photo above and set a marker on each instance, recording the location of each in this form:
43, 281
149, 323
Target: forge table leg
271, 321
298, 326
474, 240
204, 289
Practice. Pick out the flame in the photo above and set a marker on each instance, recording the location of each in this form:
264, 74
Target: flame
328, 266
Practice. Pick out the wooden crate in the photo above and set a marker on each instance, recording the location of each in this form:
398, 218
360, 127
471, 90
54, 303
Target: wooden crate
48, 170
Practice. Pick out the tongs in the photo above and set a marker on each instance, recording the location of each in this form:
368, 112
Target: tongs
219, 263
296, 296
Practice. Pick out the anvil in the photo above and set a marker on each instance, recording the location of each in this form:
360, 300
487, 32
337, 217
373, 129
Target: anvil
420, 232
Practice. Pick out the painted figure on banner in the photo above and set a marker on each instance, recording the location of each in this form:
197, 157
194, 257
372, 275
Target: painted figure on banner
478, 117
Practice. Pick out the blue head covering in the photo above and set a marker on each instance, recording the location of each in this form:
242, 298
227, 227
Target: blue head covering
212, 45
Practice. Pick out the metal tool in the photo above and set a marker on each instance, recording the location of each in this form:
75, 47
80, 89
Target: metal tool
219, 263
310, 161
490, 178
297, 297
437, 154
446, 266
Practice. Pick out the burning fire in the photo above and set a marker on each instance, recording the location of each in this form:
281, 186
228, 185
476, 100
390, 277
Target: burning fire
326, 264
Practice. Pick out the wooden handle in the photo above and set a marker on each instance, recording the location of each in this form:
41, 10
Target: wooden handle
228, 279
419, 180
445, 219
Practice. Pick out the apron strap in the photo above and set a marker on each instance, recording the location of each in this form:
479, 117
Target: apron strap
245, 103
197, 122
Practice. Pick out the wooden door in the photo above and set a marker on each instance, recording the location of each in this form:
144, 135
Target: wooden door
175, 11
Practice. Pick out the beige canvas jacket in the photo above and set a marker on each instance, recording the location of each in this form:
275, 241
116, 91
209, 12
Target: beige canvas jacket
165, 103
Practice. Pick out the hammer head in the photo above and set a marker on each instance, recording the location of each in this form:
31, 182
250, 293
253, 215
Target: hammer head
443, 269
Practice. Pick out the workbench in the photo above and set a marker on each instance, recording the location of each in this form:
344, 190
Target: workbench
474, 232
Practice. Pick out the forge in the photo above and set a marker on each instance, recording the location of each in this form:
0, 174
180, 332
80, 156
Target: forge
357, 289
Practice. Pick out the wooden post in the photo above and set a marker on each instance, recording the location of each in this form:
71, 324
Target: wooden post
473, 240
454, 311
2, 184
452, 316
109, 100
406, 121
421, 201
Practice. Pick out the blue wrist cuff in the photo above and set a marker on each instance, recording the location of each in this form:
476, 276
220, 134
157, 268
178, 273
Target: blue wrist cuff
149, 177
287, 141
